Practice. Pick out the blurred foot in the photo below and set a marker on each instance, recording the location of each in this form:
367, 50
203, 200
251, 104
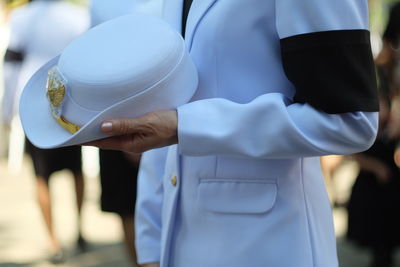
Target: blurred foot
81, 244
57, 258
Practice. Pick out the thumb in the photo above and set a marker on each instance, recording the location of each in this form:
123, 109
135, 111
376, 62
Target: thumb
119, 126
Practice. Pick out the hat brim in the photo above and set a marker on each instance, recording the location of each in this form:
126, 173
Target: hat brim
39, 126
44, 132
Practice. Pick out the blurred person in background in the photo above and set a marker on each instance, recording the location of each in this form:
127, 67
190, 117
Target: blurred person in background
118, 170
389, 61
118, 175
373, 217
38, 32
12, 145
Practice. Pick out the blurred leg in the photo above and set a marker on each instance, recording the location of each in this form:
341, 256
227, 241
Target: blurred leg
44, 200
79, 191
129, 234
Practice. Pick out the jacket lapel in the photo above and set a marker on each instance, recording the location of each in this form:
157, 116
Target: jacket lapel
172, 13
197, 11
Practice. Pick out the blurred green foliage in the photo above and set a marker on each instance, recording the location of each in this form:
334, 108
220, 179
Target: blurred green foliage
79, 2
379, 11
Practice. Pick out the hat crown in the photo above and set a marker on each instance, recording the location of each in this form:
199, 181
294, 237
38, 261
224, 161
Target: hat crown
119, 58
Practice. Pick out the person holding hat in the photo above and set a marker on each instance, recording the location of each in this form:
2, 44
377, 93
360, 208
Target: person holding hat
280, 83
269, 86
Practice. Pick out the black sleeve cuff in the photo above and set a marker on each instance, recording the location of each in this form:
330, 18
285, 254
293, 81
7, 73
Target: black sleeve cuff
332, 71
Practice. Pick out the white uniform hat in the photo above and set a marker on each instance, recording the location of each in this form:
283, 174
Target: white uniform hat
123, 68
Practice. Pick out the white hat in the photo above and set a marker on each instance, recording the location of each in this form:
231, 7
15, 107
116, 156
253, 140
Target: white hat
123, 68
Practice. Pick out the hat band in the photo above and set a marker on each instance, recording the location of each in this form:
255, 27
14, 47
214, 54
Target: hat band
69, 126
56, 91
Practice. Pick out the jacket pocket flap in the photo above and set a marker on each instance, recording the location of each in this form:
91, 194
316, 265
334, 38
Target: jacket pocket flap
237, 195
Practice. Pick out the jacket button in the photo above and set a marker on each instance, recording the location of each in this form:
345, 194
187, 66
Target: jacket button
174, 180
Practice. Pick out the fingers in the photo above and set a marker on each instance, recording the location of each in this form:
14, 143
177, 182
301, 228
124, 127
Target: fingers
120, 126
114, 143
128, 143
150, 131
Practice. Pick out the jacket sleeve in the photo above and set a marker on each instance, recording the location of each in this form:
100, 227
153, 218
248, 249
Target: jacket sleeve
149, 206
326, 56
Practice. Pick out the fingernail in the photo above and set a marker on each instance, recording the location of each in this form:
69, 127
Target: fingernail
106, 126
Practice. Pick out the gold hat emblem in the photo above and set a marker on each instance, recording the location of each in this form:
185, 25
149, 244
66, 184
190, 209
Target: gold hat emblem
55, 89
56, 95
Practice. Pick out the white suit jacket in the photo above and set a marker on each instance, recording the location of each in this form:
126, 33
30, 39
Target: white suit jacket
281, 82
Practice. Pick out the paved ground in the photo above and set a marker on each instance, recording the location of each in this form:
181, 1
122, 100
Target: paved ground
23, 236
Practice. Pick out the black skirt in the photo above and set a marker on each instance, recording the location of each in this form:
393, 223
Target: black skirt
118, 177
48, 161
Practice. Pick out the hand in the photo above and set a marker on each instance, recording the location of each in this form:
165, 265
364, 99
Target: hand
153, 130
153, 264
